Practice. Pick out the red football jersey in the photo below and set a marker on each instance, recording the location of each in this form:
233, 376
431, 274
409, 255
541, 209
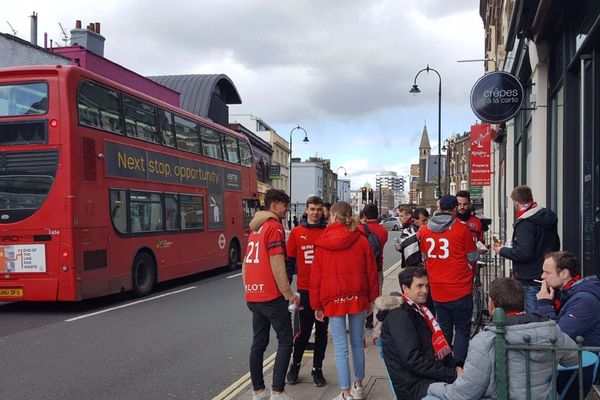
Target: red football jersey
267, 241
445, 253
301, 246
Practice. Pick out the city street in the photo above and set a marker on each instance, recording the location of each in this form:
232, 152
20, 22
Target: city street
189, 339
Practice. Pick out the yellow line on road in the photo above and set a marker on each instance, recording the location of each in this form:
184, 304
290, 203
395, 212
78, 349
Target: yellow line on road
392, 268
244, 381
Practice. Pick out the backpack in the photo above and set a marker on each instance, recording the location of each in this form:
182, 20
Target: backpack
373, 242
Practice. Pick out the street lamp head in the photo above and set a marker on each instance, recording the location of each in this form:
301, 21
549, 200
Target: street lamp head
305, 140
415, 89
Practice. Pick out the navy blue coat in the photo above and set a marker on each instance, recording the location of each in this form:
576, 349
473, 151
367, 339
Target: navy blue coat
579, 312
534, 235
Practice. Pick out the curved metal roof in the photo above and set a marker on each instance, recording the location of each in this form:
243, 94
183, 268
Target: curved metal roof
196, 90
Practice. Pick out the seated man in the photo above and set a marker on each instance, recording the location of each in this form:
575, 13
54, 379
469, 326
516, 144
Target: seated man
478, 380
414, 348
575, 307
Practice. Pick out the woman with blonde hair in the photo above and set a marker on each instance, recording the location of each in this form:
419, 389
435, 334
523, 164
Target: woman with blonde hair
343, 286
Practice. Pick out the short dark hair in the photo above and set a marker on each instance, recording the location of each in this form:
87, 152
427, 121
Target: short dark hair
407, 275
276, 196
565, 260
420, 211
522, 194
508, 293
464, 193
370, 211
314, 200
327, 205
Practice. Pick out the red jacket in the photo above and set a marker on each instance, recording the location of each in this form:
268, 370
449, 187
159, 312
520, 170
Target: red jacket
344, 266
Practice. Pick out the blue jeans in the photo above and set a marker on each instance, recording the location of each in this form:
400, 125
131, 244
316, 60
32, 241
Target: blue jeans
455, 317
340, 344
530, 297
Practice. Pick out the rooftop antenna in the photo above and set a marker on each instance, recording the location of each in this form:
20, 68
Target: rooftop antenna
65, 37
12, 29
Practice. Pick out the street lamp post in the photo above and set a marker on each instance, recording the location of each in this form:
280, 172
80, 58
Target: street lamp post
304, 140
415, 89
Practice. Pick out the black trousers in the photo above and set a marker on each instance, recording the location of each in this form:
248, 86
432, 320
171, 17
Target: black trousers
264, 315
306, 318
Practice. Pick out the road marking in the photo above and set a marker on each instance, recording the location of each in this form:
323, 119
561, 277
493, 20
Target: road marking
239, 385
128, 304
233, 276
392, 268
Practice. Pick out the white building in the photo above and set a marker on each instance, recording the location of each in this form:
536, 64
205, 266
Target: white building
343, 190
390, 180
307, 181
281, 147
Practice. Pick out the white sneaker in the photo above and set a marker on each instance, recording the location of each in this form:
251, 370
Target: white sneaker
264, 395
356, 392
280, 396
341, 397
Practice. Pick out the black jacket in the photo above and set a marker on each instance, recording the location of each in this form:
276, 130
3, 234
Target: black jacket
534, 235
407, 350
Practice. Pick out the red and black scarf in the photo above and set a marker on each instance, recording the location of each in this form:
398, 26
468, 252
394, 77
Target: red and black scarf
441, 348
557, 303
526, 208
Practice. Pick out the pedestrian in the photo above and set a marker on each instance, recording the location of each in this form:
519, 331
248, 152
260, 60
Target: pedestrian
450, 254
326, 209
464, 212
568, 299
371, 221
301, 252
295, 221
343, 286
534, 235
415, 350
268, 293
408, 243
478, 380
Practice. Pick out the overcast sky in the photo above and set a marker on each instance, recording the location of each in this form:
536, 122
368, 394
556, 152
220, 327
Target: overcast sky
341, 69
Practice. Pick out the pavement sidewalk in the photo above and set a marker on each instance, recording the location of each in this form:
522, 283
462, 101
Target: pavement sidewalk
375, 382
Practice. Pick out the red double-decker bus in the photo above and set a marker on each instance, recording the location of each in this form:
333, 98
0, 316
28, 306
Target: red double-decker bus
104, 189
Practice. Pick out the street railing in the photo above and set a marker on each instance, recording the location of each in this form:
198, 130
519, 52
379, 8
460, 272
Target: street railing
501, 362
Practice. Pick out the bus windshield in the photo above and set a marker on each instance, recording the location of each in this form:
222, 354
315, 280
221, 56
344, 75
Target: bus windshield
23, 99
23, 192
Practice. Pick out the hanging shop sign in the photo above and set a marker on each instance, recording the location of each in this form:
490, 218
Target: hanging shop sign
275, 171
496, 97
481, 139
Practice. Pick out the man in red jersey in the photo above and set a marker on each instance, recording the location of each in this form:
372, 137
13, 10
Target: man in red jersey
268, 293
371, 213
301, 251
450, 254
465, 214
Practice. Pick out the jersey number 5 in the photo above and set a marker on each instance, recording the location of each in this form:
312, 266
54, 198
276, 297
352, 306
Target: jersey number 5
442, 244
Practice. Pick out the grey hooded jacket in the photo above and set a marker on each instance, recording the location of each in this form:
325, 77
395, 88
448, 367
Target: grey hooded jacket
478, 378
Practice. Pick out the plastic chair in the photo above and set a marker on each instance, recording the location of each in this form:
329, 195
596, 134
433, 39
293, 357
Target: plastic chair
379, 344
567, 381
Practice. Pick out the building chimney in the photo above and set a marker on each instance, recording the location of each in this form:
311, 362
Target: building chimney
89, 38
34, 28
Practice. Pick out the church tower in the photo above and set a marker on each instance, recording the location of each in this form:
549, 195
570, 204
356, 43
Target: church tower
424, 151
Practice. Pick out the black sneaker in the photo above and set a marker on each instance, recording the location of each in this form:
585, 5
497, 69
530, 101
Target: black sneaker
318, 377
292, 375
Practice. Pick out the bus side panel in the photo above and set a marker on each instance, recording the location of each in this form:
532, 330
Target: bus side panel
92, 261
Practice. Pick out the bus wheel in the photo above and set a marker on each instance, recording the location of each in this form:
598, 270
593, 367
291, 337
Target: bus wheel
143, 274
234, 256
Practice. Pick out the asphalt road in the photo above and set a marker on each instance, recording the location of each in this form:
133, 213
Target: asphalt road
189, 340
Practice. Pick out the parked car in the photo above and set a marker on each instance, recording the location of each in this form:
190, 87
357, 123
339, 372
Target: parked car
392, 223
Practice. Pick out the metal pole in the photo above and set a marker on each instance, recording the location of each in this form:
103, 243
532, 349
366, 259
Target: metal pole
440, 138
290, 216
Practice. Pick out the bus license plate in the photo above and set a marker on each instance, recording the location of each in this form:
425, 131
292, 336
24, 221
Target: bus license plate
11, 292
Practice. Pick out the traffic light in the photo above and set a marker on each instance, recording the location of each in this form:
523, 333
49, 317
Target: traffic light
370, 195
364, 194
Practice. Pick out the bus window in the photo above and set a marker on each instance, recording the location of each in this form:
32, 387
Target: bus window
192, 212
145, 211
99, 107
140, 120
166, 127
250, 208
171, 220
187, 135
211, 143
118, 209
245, 154
231, 148
23, 99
